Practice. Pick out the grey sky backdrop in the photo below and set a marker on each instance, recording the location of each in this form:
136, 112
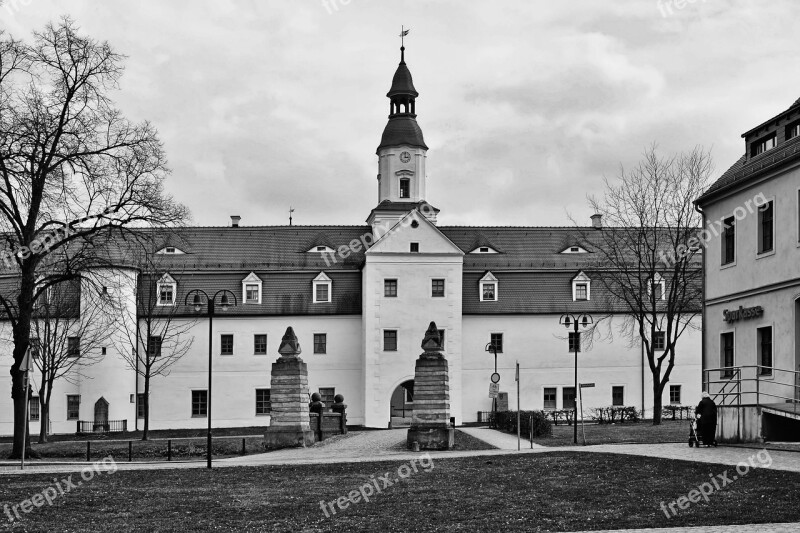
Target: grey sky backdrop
525, 105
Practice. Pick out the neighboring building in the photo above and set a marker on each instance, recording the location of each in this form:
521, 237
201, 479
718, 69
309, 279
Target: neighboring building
751, 340
360, 299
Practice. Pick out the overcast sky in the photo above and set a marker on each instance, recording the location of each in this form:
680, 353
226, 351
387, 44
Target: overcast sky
525, 105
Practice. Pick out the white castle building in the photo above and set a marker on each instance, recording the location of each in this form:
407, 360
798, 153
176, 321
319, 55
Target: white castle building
360, 299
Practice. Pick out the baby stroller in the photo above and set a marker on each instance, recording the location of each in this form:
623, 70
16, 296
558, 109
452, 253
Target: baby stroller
694, 436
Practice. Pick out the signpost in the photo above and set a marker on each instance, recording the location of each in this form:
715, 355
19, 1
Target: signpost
516, 378
580, 392
494, 390
25, 367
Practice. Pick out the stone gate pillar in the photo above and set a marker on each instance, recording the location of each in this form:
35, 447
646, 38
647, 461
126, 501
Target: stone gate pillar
289, 423
430, 422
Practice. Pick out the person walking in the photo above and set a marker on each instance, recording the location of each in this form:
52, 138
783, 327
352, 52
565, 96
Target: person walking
706, 411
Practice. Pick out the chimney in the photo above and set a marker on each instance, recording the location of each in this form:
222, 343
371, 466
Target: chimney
235, 221
597, 221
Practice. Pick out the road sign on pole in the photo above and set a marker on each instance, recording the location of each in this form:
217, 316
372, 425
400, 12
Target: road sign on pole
586, 385
494, 390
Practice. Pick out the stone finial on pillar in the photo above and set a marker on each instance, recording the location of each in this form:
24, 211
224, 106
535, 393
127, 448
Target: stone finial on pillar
289, 421
430, 422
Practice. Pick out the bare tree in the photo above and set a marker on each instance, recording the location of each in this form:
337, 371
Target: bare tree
71, 324
75, 174
153, 336
647, 255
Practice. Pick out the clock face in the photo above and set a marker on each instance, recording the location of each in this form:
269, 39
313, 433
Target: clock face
405, 157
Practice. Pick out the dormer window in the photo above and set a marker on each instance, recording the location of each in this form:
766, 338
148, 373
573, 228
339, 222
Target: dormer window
487, 288
405, 188
251, 289
762, 145
321, 249
170, 250
322, 289
574, 249
581, 287
656, 286
484, 250
166, 289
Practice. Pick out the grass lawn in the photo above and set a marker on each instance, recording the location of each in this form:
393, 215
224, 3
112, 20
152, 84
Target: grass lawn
561, 491
629, 432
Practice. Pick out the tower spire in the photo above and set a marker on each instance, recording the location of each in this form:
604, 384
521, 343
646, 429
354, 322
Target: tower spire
403, 33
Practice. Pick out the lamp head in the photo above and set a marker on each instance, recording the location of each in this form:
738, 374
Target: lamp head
224, 302
196, 303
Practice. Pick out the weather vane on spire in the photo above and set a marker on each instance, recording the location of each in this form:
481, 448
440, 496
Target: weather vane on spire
403, 33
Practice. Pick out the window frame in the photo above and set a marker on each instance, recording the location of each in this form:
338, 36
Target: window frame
166, 281
564, 397
572, 336
727, 374
613, 395
322, 279
659, 345
545, 399
384, 338
407, 182
413, 247
390, 286
502, 340
728, 229
222, 338
759, 146
760, 250
581, 279
34, 413
324, 344
256, 344
434, 282
73, 351
672, 387
762, 371
262, 405
200, 403
77, 415
140, 406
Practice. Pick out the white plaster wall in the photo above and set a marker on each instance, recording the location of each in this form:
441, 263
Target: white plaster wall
389, 165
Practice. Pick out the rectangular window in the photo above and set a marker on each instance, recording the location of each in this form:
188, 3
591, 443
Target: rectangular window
580, 291
390, 340
568, 397
251, 293
73, 406
766, 227
618, 395
260, 344
320, 343
166, 294
33, 409
549, 397
489, 292
322, 292
390, 288
675, 394
762, 145
659, 340
414, 247
729, 241
73, 346
727, 354
226, 344
263, 403
140, 405
153, 347
765, 351
658, 291
497, 340
199, 403
792, 130
437, 288
326, 395
405, 188
574, 341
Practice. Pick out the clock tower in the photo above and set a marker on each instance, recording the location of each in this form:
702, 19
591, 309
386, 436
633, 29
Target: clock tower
401, 154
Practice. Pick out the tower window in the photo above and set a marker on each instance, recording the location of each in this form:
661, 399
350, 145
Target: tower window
405, 188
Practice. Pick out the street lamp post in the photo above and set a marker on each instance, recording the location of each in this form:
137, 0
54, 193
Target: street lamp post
197, 303
491, 347
575, 322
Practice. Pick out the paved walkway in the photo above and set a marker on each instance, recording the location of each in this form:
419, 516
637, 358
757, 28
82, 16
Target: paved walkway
754, 528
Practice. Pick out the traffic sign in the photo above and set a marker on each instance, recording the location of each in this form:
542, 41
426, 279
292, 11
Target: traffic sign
495, 378
494, 390
586, 385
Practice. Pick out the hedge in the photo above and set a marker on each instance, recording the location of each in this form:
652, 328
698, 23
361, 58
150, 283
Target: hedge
542, 427
613, 414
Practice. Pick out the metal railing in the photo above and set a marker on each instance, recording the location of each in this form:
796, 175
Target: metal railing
754, 385
104, 426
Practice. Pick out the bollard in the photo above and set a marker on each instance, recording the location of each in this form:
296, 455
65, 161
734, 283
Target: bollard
88, 451
130, 451
169, 450
244, 449
415, 446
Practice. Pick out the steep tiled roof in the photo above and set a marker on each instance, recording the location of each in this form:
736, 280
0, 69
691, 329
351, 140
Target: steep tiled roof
402, 82
402, 129
745, 170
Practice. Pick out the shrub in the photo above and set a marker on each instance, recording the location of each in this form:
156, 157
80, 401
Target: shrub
614, 414
542, 427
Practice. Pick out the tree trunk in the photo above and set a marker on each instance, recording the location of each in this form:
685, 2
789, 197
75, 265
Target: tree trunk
18, 395
146, 405
44, 416
658, 390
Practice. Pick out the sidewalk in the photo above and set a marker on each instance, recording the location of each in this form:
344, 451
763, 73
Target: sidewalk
747, 528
